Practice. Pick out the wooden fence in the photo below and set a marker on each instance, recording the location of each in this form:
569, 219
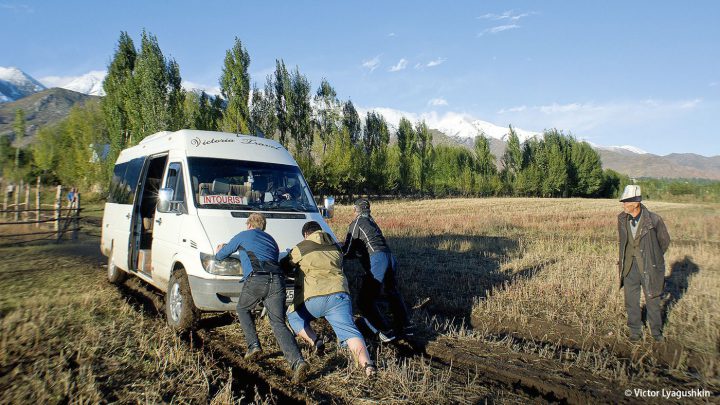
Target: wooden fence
21, 221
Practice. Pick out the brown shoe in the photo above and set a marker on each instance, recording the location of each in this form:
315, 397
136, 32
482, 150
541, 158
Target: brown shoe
253, 352
301, 371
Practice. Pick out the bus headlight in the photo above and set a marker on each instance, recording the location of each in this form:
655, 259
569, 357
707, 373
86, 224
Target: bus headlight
230, 266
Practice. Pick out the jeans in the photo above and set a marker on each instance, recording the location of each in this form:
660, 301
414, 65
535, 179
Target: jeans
335, 308
383, 267
632, 284
270, 289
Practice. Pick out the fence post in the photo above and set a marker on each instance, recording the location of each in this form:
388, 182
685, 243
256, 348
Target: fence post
76, 220
37, 203
5, 199
58, 207
26, 213
17, 201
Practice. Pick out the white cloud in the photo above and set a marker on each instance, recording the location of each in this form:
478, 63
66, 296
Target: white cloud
438, 102
507, 15
190, 86
392, 34
583, 117
512, 109
499, 28
714, 84
23, 8
371, 64
436, 62
402, 64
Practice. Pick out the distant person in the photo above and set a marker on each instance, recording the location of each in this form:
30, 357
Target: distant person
321, 291
366, 241
71, 196
264, 282
643, 241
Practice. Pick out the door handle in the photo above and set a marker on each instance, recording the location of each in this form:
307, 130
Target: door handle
159, 221
127, 216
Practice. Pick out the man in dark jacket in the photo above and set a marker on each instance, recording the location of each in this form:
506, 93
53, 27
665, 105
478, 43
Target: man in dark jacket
366, 241
643, 240
264, 282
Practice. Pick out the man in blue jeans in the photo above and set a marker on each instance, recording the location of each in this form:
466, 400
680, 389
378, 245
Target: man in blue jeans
366, 241
264, 281
321, 291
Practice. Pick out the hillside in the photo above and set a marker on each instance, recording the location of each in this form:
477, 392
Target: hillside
43, 108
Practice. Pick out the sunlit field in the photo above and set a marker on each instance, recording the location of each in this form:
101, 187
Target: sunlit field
516, 300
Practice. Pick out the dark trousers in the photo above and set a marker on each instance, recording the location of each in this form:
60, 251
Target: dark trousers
382, 277
632, 284
270, 289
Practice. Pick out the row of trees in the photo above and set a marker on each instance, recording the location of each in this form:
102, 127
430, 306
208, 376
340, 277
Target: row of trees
339, 151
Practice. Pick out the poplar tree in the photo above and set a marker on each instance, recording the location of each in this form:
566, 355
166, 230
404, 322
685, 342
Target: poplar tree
20, 129
328, 115
235, 88
406, 146
300, 119
175, 98
152, 85
351, 122
262, 112
376, 139
283, 100
484, 159
424, 150
119, 86
511, 159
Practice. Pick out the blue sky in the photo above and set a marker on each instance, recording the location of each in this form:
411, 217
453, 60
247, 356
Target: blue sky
642, 73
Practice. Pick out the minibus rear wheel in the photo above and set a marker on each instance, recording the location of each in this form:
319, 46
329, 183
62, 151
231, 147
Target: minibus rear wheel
180, 310
114, 274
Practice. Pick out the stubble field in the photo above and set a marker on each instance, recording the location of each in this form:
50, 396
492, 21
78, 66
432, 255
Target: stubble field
516, 300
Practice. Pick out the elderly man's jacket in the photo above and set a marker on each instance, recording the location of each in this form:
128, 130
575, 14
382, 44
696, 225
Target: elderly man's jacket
652, 240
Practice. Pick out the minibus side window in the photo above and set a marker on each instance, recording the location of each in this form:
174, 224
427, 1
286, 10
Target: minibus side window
175, 181
124, 181
118, 193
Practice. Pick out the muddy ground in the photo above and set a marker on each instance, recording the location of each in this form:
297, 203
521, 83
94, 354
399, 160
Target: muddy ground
474, 371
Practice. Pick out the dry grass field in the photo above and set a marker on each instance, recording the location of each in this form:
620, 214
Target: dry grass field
516, 300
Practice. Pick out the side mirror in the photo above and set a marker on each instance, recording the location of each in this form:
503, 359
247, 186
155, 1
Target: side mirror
164, 197
329, 207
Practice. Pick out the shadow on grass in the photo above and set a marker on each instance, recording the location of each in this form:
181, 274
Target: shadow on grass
676, 284
445, 274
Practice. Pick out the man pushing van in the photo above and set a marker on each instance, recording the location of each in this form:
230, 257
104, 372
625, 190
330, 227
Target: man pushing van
264, 282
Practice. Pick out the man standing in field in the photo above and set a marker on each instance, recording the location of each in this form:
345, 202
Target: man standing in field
643, 241
321, 291
264, 282
365, 240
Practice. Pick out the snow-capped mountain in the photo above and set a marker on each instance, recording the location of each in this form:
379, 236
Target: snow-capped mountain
16, 84
624, 149
90, 83
452, 124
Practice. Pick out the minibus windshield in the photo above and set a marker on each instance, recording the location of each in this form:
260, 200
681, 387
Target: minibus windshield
245, 185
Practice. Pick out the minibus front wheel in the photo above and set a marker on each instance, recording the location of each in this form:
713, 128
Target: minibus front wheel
180, 310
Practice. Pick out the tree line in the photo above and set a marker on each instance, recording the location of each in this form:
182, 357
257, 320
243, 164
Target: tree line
340, 152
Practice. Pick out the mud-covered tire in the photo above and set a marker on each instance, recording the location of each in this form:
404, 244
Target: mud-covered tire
115, 275
180, 310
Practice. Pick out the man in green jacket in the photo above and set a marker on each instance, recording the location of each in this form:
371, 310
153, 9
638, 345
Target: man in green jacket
321, 291
643, 241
